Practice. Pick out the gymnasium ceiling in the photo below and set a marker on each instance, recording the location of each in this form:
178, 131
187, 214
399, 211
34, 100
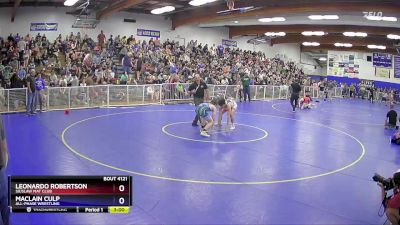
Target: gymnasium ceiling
296, 12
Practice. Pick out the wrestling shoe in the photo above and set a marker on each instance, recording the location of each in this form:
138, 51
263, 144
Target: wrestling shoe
204, 133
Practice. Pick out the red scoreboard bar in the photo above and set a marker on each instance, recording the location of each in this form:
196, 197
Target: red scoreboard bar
70, 194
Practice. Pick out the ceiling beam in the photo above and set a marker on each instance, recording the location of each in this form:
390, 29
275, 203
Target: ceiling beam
235, 31
121, 5
17, 3
353, 49
209, 14
332, 39
32, 4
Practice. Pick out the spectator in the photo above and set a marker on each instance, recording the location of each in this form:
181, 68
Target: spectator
31, 85
127, 63
101, 38
40, 87
246, 86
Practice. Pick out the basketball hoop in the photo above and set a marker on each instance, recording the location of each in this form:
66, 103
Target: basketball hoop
230, 4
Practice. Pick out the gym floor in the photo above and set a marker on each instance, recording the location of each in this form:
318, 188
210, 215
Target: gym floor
276, 167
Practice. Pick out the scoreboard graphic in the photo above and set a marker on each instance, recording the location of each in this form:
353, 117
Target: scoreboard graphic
70, 194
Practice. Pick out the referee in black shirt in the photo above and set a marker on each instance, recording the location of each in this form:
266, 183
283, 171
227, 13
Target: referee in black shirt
199, 91
294, 98
391, 118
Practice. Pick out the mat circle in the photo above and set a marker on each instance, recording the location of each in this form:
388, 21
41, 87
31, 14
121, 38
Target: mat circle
207, 181
238, 125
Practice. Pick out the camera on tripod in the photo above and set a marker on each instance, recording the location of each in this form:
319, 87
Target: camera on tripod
388, 183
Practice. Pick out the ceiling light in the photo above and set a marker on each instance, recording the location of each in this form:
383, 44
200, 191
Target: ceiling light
393, 36
200, 2
382, 18
273, 19
311, 44
236, 21
355, 34
313, 33
70, 2
322, 59
389, 19
381, 47
323, 17
274, 34
162, 10
347, 45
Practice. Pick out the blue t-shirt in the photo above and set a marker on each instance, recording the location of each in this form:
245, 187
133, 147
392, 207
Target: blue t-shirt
21, 74
40, 84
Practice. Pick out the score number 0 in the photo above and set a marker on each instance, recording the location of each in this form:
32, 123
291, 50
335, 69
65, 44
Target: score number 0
121, 200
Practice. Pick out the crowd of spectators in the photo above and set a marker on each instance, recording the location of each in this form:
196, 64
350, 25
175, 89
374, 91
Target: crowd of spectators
78, 60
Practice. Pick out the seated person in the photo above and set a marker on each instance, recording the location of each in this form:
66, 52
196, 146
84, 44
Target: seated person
305, 103
227, 105
206, 113
396, 138
391, 118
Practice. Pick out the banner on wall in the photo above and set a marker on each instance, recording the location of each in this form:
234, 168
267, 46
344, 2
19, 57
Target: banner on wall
367, 82
44, 26
343, 64
397, 66
382, 72
149, 33
230, 43
382, 60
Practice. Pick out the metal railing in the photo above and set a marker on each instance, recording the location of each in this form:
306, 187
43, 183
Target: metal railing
59, 98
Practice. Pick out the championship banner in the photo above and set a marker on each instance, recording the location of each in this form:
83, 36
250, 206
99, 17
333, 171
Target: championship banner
382, 72
382, 60
230, 43
397, 66
70, 194
148, 33
44, 26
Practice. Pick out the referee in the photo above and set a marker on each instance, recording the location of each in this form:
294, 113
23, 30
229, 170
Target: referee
4, 210
199, 91
294, 98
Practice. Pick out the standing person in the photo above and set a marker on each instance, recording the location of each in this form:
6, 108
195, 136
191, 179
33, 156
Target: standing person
102, 39
21, 49
127, 63
199, 90
246, 86
391, 118
294, 99
31, 85
321, 86
4, 210
40, 86
371, 94
352, 91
